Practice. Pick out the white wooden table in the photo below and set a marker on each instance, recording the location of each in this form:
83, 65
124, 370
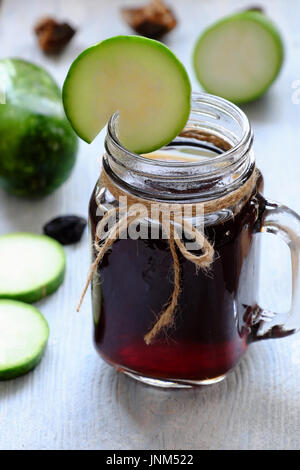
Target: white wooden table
73, 400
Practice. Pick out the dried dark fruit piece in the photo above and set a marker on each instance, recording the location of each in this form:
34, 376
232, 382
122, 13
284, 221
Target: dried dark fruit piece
152, 21
53, 36
67, 229
255, 8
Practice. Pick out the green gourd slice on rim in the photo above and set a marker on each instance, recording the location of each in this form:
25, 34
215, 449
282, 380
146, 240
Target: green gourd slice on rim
239, 57
139, 78
31, 267
24, 334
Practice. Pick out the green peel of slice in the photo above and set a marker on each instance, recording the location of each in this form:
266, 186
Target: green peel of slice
239, 57
31, 267
24, 334
139, 78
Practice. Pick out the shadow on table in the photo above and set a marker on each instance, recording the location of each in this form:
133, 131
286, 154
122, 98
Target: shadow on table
264, 110
10, 388
20, 214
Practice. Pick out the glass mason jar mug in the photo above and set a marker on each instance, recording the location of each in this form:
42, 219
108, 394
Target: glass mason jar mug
212, 312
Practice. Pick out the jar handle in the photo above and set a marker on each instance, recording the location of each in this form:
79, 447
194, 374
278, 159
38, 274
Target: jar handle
285, 223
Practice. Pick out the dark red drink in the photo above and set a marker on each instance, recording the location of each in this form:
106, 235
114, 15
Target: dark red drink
212, 323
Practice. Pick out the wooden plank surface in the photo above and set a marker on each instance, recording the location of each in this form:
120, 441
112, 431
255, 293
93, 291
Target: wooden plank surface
75, 401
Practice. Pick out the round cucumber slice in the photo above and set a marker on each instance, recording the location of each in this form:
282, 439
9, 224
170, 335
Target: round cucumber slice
239, 57
138, 77
24, 334
32, 266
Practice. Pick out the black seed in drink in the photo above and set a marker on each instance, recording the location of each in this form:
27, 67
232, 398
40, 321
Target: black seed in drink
67, 229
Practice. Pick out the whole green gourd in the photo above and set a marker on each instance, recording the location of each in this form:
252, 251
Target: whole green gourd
37, 144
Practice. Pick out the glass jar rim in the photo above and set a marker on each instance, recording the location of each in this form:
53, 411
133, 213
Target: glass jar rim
204, 179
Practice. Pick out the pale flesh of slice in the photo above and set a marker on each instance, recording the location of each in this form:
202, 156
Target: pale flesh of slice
239, 57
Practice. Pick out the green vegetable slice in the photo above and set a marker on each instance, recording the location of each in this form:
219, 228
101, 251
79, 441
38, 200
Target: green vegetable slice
31, 267
239, 57
23, 338
138, 77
